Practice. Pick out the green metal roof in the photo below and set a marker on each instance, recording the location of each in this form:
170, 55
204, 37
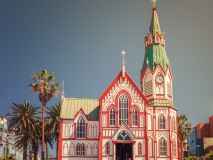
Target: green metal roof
71, 106
155, 53
161, 103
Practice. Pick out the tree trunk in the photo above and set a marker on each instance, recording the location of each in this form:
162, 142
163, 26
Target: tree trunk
57, 149
35, 152
42, 146
47, 152
25, 148
181, 146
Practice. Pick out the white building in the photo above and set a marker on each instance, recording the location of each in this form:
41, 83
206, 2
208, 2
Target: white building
7, 141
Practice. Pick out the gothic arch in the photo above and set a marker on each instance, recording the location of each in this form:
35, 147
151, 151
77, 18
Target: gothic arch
72, 149
65, 149
162, 121
89, 149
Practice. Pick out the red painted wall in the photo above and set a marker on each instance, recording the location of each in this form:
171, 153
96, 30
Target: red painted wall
202, 130
211, 126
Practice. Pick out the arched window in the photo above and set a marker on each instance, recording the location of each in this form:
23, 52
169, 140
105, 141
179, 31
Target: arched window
72, 149
90, 130
107, 148
173, 124
71, 130
174, 148
112, 116
123, 109
81, 127
89, 149
65, 149
123, 136
80, 149
66, 130
162, 144
162, 122
94, 131
95, 149
134, 117
139, 149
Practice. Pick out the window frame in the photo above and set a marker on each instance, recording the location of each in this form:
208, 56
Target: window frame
123, 109
162, 147
112, 117
107, 148
134, 117
162, 122
81, 128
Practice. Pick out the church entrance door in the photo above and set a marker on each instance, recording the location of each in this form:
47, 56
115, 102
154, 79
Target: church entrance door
123, 151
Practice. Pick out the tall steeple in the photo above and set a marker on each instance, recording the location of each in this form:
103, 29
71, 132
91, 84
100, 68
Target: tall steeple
156, 75
155, 52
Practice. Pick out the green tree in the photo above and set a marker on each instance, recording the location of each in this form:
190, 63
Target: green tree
22, 118
184, 129
53, 122
209, 156
191, 158
46, 87
7, 157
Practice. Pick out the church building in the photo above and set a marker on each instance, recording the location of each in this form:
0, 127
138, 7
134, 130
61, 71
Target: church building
127, 122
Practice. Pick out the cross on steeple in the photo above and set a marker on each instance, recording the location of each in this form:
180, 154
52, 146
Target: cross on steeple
123, 53
154, 1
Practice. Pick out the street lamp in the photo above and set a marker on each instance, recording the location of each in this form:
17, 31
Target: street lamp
198, 148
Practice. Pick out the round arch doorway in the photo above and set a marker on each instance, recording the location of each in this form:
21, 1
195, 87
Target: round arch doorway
124, 148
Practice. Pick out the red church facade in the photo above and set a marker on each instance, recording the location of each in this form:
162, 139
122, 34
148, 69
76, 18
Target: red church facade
126, 122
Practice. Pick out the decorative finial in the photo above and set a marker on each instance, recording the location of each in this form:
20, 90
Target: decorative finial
154, 1
123, 53
123, 64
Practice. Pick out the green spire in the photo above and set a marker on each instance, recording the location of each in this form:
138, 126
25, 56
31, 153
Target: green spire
154, 26
155, 52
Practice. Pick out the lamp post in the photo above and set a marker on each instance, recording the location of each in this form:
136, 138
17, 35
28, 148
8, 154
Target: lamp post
198, 148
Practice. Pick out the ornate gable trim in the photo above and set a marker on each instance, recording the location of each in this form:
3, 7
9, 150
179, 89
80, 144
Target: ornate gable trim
80, 113
126, 84
123, 128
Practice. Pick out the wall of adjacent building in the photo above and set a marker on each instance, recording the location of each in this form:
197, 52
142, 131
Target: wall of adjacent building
211, 125
202, 130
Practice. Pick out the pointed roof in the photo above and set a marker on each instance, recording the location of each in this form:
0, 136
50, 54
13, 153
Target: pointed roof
155, 52
154, 26
71, 106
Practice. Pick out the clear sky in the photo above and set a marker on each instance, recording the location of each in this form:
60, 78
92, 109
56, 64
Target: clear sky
81, 40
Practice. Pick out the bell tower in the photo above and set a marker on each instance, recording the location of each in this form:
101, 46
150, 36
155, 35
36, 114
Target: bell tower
156, 75
156, 85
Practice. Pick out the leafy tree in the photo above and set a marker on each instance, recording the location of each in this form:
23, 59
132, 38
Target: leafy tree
46, 87
22, 118
191, 158
209, 156
7, 157
53, 122
184, 129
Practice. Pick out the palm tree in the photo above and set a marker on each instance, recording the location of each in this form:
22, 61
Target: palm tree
53, 122
22, 118
35, 138
46, 87
184, 129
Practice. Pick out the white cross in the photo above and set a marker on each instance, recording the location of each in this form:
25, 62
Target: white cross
147, 61
154, 1
123, 53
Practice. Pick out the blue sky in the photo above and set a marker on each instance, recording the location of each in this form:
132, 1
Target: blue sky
80, 41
